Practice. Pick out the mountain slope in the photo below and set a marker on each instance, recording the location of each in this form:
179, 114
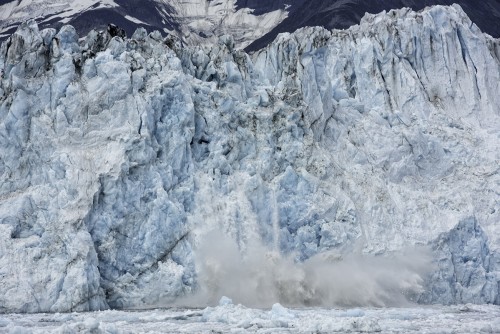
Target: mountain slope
119, 157
253, 24
342, 14
193, 21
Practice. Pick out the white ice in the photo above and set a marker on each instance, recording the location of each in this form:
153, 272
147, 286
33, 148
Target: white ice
229, 318
119, 157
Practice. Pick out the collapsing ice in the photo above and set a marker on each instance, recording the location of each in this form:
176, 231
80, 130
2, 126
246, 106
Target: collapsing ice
117, 157
261, 277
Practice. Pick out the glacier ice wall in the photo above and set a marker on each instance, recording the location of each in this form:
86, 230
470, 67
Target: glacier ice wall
118, 155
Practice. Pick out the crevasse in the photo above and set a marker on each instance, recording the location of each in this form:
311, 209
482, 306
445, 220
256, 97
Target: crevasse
118, 155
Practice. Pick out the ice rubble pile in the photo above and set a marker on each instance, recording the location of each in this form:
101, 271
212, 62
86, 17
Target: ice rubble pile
228, 317
116, 154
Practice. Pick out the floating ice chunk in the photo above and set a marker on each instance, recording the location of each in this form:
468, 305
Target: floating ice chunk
278, 311
225, 301
353, 313
361, 325
4, 322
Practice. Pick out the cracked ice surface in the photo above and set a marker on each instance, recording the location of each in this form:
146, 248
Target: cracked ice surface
118, 156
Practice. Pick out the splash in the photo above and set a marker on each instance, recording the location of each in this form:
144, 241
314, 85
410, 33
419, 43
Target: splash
261, 276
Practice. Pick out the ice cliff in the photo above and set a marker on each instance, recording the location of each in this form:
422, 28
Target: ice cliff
117, 155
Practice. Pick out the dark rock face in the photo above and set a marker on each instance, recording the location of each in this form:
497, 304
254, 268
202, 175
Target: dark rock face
339, 14
147, 11
116, 31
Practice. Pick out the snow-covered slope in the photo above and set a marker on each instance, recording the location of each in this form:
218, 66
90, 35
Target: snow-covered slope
252, 23
12, 13
341, 14
202, 21
193, 21
119, 156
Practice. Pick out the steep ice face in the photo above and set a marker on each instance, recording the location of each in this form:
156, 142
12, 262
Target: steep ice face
100, 136
401, 106
118, 156
468, 270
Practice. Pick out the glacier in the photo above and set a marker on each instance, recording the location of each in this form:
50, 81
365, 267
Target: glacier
119, 156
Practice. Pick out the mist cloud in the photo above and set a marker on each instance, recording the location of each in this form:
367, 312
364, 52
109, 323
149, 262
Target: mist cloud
261, 277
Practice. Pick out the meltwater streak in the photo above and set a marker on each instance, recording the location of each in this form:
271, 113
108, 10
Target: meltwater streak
262, 277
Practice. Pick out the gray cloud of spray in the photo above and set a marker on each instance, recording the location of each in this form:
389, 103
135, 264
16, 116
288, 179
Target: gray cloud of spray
261, 277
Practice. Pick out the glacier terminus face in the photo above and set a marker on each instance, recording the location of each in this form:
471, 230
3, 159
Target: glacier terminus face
344, 167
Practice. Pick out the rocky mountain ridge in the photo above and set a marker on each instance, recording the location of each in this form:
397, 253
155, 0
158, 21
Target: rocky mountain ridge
253, 24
